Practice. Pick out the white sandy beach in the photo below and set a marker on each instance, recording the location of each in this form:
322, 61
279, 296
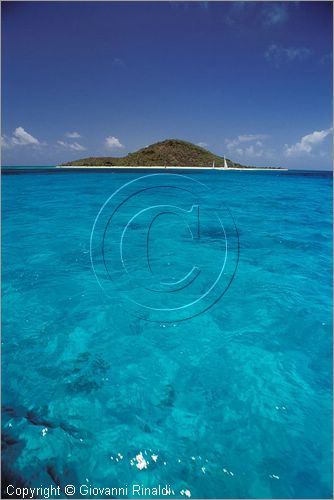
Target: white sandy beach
167, 168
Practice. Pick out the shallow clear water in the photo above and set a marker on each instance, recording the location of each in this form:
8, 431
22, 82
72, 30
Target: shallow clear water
234, 402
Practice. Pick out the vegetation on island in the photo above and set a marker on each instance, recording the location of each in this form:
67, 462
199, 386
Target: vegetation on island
171, 152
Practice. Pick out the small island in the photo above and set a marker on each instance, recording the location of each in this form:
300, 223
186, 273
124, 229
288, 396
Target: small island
171, 153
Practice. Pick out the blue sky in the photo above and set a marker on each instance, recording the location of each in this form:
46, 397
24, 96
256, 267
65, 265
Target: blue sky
251, 80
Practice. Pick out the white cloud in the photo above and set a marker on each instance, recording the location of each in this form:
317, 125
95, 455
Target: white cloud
251, 137
73, 135
248, 145
274, 13
202, 144
234, 12
4, 141
112, 142
233, 143
279, 55
75, 146
22, 138
307, 143
326, 58
118, 62
268, 14
251, 151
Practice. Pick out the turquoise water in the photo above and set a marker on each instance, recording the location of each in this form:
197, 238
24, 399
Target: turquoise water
234, 402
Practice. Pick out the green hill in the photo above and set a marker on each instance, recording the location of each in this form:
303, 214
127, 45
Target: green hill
171, 152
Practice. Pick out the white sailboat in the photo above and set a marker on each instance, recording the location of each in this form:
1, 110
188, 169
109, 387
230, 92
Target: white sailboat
225, 162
